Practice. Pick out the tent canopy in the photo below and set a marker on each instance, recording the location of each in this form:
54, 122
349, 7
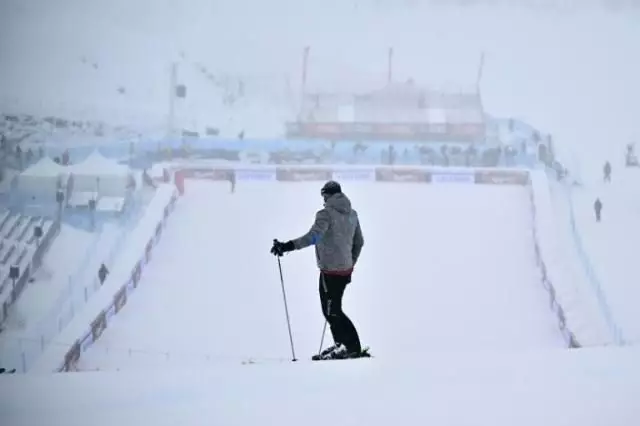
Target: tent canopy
45, 168
98, 165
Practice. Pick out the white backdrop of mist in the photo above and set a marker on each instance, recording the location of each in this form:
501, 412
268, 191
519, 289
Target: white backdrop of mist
570, 68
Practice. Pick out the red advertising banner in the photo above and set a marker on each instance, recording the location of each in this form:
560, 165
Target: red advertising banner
372, 131
466, 177
98, 326
502, 177
158, 231
179, 180
120, 299
72, 356
208, 173
398, 130
135, 274
402, 175
326, 128
355, 175
147, 251
290, 174
255, 175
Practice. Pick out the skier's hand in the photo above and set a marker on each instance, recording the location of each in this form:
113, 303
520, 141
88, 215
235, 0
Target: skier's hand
279, 248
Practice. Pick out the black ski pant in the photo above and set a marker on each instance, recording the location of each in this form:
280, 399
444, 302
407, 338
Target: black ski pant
331, 291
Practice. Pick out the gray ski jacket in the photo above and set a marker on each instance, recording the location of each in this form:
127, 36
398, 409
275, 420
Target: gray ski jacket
337, 236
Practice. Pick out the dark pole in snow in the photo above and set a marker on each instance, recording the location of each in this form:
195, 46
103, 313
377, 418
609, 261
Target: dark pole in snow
286, 311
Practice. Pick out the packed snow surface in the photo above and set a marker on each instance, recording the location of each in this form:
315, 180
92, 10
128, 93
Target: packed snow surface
612, 243
555, 387
443, 268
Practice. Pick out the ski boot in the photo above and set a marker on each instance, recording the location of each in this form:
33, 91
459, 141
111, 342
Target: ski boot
324, 353
340, 352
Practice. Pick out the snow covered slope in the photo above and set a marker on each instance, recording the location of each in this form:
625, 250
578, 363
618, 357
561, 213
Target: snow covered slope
203, 340
612, 244
587, 387
212, 292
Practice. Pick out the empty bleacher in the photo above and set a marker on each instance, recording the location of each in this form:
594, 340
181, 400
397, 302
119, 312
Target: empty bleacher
18, 247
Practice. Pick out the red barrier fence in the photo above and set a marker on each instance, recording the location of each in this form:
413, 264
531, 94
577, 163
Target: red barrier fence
303, 173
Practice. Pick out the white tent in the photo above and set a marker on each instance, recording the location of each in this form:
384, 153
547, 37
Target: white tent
42, 177
100, 174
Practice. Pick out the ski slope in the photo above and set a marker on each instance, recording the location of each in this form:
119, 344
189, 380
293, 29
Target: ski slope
587, 387
444, 268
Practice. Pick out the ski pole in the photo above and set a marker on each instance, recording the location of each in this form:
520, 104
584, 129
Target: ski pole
286, 311
324, 329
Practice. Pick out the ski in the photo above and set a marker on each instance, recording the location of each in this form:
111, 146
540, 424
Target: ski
364, 353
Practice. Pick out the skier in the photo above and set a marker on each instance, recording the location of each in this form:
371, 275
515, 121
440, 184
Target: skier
607, 172
597, 207
338, 241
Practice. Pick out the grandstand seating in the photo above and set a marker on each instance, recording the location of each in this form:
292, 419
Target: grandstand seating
20, 247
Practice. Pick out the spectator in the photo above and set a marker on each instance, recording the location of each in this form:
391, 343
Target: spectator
103, 272
607, 172
392, 155
470, 155
147, 180
232, 180
19, 156
445, 155
597, 206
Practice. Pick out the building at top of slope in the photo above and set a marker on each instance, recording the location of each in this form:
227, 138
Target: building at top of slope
398, 111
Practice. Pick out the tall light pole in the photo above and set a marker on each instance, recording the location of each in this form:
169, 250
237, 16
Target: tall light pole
305, 64
172, 99
480, 71
390, 66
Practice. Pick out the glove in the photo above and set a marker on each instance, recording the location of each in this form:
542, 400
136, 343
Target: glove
280, 248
